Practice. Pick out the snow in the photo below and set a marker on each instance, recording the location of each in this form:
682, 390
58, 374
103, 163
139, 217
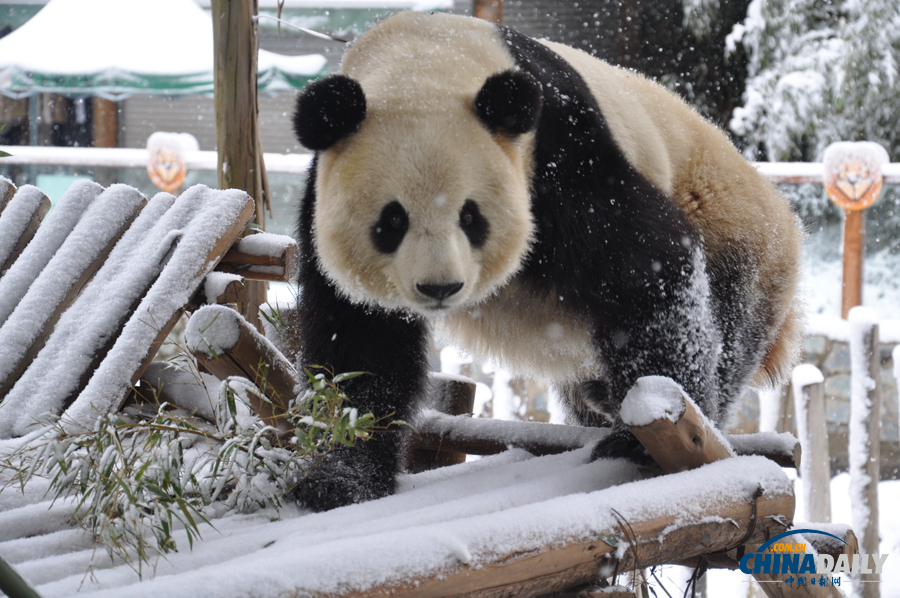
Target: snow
212, 330
15, 218
653, 398
194, 392
48, 239
265, 244
769, 409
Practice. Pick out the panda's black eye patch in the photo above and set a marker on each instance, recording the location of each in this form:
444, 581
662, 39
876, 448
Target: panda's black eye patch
473, 224
391, 227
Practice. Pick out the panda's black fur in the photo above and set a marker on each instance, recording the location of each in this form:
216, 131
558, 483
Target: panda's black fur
615, 248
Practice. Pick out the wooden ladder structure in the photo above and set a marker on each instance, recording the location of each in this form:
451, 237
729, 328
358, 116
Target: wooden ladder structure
90, 290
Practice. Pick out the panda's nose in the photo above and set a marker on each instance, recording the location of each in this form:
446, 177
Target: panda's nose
439, 291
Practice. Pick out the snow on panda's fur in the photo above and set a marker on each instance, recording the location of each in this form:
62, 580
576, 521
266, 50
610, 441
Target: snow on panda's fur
541, 209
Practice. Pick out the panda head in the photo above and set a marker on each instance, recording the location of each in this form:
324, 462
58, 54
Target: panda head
422, 196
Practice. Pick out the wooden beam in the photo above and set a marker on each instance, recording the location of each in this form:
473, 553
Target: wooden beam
106, 122
76, 285
808, 385
865, 435
854, 254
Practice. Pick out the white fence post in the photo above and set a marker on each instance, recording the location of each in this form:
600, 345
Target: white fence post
815, 463
865, 439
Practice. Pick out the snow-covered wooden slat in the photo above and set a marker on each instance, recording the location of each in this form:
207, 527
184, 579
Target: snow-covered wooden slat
102, 344
7, 190
225, 344
48, 239
26, 330
19, 222
451, 395
476, 436
263, 256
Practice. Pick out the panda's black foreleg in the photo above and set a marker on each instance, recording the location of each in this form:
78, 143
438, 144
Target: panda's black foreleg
392, 350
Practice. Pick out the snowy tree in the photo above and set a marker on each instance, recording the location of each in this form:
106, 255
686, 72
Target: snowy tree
819, 71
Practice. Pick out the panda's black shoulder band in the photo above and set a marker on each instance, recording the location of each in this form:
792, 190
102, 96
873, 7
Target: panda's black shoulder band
328, 110
509, 102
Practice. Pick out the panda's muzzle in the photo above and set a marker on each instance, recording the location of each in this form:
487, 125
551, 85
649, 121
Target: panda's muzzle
439, 291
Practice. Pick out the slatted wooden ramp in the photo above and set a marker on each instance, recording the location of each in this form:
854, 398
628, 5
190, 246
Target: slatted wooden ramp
87, 296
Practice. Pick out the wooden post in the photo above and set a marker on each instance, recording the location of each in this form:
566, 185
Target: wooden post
853, 180
489, 10
809, 401
451, 395
106, 123
865, 437
236, 42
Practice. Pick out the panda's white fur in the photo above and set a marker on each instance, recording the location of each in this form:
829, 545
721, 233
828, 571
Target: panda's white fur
422, 144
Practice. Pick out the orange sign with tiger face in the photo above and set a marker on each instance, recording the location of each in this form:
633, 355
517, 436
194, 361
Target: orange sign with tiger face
166, 169
853, 178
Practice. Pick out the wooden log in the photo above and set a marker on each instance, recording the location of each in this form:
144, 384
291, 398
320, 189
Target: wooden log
27, 210
563, 565
263, 256
219, 288
864, 446
478, 436
7, 190
225, 344
809, 402
670, 425
451, 395
679, 437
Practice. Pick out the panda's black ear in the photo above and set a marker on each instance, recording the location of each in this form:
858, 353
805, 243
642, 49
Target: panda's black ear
509, 102
328, 110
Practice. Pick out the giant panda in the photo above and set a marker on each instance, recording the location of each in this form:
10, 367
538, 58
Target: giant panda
541, 209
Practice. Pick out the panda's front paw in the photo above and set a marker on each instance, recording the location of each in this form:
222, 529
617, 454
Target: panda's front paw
620, 443
340, 480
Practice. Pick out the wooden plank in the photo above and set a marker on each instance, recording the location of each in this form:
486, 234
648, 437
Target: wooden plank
854, 254
556, 567
84, 239
26, 211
